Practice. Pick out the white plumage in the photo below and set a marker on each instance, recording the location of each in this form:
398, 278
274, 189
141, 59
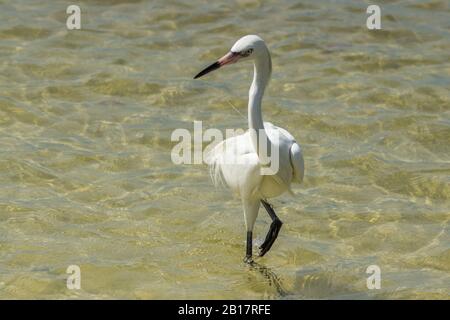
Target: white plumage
236, 156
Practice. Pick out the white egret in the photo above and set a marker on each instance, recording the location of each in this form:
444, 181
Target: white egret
237, 161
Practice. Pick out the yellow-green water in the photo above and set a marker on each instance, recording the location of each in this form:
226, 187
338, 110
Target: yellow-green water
86, 176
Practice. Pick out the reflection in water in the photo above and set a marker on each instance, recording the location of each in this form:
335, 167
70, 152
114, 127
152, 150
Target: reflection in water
271, 277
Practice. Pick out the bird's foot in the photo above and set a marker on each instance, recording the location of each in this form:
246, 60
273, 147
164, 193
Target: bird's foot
271, 236
248, 260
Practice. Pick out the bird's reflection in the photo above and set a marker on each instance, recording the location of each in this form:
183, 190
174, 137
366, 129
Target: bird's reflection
271, 277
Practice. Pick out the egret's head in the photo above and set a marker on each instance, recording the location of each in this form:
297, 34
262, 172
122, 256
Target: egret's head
246, 48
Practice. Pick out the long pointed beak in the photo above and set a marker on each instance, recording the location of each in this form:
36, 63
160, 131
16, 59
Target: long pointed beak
229, 58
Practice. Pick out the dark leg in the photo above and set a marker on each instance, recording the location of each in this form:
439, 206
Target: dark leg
248, 255
275, 227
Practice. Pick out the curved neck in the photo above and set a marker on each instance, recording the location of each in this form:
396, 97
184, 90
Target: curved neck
261, 77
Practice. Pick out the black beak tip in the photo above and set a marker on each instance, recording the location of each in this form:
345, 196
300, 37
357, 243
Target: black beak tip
212, 67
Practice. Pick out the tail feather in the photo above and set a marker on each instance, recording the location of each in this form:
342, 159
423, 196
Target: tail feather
297, 162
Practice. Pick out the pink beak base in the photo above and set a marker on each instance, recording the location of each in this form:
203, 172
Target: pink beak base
229, 58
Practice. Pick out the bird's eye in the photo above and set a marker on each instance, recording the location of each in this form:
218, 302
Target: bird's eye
246, 53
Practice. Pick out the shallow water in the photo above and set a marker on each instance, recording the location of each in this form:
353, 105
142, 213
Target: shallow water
86, 118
